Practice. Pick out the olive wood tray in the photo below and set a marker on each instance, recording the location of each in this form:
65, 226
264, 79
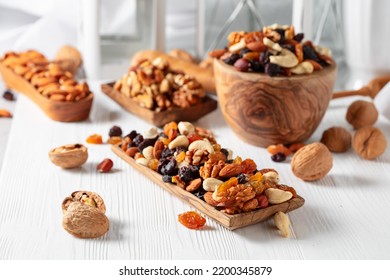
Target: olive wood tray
56, 110
230, 222
160, 118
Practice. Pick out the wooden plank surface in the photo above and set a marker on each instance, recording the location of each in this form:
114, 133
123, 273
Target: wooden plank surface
344, 216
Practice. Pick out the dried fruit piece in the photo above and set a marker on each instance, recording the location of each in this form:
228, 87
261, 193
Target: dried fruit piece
279, 148
295, 147
115, 131
226, 185
248, 166
191, 220
8, 95
278, 157
5, 114
95, 139
105, 166
114, 140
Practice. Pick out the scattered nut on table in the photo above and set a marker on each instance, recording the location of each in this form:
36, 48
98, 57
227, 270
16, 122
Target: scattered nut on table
337, 139
361, 113
312, 162
282, 222
69, 156
84, 215
369, 142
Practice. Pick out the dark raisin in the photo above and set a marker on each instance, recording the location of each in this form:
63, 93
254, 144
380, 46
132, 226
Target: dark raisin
132, 135
138, 139
225, 152
242, 178
291, 48
309, 53
167, 178
77, 146
278, 157
170, 168
161, 163
281, 33
264, 57
244, 51
272, 69
8, 95
256, 66
229, 161
199, 193
299, 37
188, 173
115, 131
146, 143
231, 59
167, 153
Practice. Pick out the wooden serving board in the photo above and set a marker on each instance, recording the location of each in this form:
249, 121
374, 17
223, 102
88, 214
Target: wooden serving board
230, 222
160, 118
56, 110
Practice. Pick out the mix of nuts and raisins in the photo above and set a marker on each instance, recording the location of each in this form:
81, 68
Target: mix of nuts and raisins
276, 50
47, 77
190, 158
157, 87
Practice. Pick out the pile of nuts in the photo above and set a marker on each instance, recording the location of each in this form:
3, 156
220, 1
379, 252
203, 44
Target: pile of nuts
153, 85
190, 158
48, 78
276, 50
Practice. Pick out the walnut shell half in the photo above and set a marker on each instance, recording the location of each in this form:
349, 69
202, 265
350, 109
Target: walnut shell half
69, 156
84, 221
312, 162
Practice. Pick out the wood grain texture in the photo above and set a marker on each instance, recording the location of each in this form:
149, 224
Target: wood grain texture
56, 110
230, 222
265, 110
344, 216
160, 118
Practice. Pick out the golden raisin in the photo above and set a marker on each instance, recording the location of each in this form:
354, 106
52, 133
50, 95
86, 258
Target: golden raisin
181, 156
114, 140
233, 181
248, 166
191, 220
170, 129
279, 148
295, 147
153, 163
95, 139
257, 177
237, 160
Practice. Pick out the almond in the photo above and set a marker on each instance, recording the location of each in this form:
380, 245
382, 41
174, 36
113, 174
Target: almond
256, 46
230, 170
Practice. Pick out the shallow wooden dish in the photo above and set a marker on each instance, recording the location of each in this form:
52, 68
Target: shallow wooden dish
230, 222
160, 118
264, 110
56, 110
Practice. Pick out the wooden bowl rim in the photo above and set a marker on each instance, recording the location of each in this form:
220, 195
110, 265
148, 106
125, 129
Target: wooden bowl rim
251, 75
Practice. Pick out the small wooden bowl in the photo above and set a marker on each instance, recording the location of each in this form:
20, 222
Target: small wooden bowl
56, 110
160, 118
264, 110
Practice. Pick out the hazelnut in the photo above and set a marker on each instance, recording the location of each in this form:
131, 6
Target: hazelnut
69, 156
361, 113
369, 142
337, 139
83, 215
312, 162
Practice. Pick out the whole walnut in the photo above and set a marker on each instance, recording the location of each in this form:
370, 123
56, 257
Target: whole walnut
312, 162
369, 142
337, 139
361, 113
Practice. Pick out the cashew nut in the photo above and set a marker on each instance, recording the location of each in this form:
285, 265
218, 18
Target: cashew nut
282, 222
150, 133
303, 68
185, 128
284, 59
142, 161
148, 153
211, 184
271, 176
201, 145
271, 44
276, 196
323, 51
179, 141
238, 46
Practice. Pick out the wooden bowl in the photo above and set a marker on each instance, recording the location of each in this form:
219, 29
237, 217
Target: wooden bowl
160, 118
56, 110
264, 110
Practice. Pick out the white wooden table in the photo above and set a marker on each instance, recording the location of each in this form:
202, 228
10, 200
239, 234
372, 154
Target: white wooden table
346, 214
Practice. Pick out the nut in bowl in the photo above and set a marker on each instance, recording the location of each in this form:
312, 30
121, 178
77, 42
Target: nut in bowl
272, 100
